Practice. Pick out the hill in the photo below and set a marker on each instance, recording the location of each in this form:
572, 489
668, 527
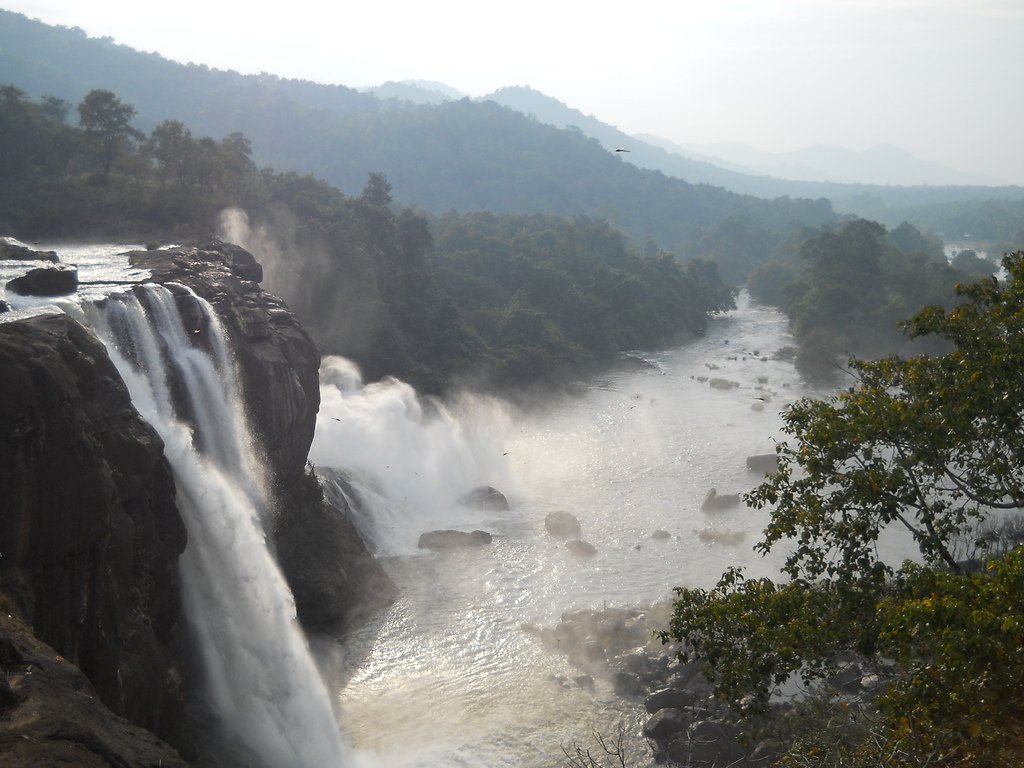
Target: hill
463, 154
967, 207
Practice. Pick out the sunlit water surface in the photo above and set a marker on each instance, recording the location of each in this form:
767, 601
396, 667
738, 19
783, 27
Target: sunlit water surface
448, 676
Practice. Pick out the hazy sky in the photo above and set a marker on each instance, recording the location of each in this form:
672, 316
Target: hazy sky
943, 79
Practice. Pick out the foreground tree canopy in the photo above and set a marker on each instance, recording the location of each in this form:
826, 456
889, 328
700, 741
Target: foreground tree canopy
932, 444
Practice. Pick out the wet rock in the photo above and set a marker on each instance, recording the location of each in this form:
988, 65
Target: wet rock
581, 548
90, 535
763, 464
586, 682
486, 498
587, 653
668, 698
666, 723
53, 716
562, 525
441, 540
15, 252
627, 685
715, 501
712, 744
313, 537
59, 280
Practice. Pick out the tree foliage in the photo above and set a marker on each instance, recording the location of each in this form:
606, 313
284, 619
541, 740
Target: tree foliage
931, 444
847, 290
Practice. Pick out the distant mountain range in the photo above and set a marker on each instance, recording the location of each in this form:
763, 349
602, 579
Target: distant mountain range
880, 165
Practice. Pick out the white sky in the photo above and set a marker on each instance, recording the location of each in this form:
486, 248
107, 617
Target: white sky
943, 79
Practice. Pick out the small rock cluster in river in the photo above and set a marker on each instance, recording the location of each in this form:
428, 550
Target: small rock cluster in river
563, 525
686, 723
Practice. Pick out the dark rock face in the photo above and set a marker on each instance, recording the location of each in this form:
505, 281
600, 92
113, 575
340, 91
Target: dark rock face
337, 585
278, 361
715, 501
440, 540
90, 535
335, 580
9, 250
46, 281
763, 464
51, 715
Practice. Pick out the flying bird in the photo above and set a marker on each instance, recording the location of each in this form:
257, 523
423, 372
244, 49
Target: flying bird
621, 149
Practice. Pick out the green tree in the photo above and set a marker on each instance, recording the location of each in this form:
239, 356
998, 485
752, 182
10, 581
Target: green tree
106, 121
932, 444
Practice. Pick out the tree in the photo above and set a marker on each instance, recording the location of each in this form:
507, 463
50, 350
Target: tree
106, 121
171, 145
934, 444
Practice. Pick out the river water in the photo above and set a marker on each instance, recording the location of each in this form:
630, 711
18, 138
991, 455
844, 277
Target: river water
448, 676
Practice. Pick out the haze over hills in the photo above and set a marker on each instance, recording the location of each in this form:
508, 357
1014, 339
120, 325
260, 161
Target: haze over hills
441, 153
884, 165
462, 154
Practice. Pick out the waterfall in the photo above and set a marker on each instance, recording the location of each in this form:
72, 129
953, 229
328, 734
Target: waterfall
259, 678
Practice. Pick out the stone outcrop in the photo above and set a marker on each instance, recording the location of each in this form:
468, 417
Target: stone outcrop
14, 251
337, 585
715, 501
59, 280
335, 580
51, 715
90, 535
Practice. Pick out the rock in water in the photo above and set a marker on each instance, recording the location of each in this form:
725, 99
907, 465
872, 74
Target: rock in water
46, 281
715, 501
765, 463
484, 497
438, 540
13, 251
581, 548
562, 525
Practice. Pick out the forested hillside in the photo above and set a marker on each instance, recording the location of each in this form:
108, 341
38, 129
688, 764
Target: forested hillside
492, 301
463, 155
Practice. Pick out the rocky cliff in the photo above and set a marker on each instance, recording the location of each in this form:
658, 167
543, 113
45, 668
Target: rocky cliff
89, 533
335, 581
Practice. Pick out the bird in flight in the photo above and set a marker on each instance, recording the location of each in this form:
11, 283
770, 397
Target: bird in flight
621, 149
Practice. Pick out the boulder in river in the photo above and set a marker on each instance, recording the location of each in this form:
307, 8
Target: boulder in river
484, 497
562, 525
715, 501
14, 251
581, 548
46, 281
763, 464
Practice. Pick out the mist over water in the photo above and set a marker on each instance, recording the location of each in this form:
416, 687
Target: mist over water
448, 676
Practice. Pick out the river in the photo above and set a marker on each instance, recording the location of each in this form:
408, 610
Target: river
448, 676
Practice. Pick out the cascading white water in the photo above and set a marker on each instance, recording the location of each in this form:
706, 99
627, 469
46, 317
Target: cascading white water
259, 677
